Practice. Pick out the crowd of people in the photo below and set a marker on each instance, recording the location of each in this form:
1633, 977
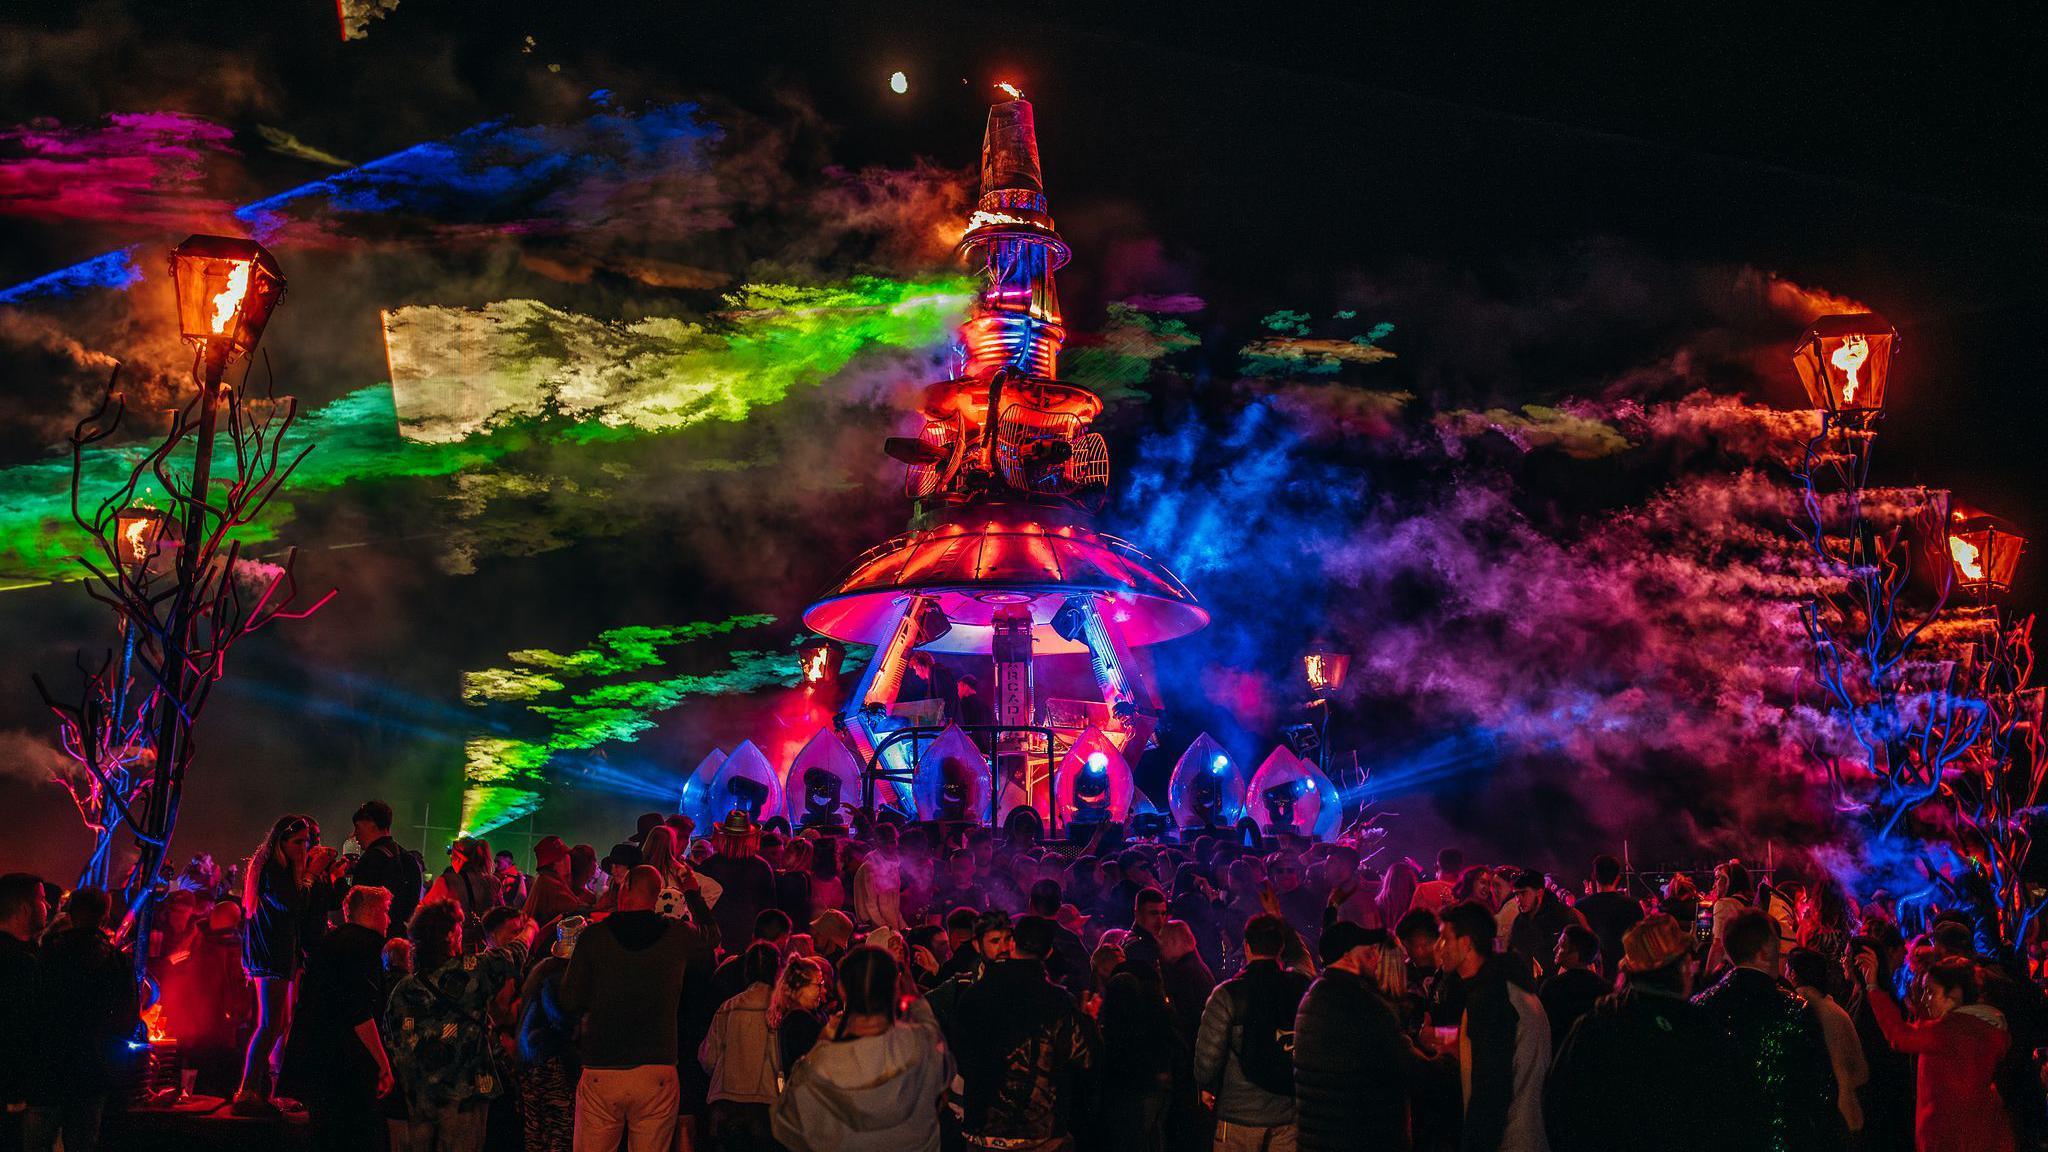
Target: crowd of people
889, 986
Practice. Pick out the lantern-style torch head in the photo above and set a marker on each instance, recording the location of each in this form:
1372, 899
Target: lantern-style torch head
1845, 361
227, 289
1984, 553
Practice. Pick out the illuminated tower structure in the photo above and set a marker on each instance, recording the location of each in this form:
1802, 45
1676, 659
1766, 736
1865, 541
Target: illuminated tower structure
1001, 559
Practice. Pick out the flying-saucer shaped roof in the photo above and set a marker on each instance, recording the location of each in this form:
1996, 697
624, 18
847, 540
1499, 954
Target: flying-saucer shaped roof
992, 555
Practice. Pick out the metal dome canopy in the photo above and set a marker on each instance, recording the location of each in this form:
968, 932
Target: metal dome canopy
990, 555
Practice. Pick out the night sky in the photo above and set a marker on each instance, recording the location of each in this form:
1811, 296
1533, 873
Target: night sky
1546, 206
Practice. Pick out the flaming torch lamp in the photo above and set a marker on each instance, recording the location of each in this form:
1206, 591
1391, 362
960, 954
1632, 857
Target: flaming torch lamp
138, 530
818, 659
1984, 555
226, 289
1325, 671
1844, 361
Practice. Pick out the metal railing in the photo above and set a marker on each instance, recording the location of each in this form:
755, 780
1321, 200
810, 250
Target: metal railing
875, 769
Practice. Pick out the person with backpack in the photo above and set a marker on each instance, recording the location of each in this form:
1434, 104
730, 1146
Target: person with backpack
1242, 1060
384, 864
468, 884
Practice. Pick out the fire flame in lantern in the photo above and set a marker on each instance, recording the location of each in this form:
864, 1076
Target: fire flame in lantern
153, 1019
135, 535
1849, 358
230, 298
1010, 89
1968, 557
816, 663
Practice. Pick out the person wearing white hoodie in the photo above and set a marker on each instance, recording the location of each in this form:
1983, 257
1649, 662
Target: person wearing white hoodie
873, 1082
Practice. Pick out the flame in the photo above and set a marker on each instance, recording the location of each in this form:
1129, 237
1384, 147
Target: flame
1009, 90
1968, 557
153, 1018
1849, 358
135, 535
229, 301
816, 663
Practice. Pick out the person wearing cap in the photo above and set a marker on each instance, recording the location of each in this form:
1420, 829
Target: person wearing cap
747, 881
1504, 1041
550, 898
547, 1046
1350, 1083
1649, 1035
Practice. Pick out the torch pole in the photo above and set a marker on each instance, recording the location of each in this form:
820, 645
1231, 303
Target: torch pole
172, 749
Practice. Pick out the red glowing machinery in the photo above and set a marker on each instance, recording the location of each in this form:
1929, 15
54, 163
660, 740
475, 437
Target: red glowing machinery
1001, 566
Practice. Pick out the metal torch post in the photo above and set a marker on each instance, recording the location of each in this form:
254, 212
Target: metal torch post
168, 773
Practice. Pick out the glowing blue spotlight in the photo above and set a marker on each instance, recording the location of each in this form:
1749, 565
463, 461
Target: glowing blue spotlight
1220, 765
1098, 763
1309, 784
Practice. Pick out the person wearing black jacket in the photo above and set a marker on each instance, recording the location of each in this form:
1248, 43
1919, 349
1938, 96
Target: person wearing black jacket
1779, 1036
1649, 1035
334, 1059
1022, 1047
1609, 912
86, 1014
23, 913
1250, 1113
384, 864
1068, 963
1350, 1087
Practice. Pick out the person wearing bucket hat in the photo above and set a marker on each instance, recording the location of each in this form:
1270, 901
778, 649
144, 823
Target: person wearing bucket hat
1648, 1032
747, 881
550, 898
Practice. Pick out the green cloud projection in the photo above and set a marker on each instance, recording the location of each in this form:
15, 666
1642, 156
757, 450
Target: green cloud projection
470, 387
503, 774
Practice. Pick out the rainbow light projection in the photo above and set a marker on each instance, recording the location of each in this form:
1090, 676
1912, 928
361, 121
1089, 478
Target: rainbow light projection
652, 376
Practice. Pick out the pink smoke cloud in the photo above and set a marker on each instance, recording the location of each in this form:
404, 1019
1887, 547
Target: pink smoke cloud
142, 168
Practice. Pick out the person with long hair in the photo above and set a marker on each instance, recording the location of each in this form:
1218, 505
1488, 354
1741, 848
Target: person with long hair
277, 888
796, 1010
1959, 1042
874, 1082
443, 1045
738, 1051
1397, 889
1734, 891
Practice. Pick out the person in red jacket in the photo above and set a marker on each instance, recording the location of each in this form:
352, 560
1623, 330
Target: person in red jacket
1959, 1043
